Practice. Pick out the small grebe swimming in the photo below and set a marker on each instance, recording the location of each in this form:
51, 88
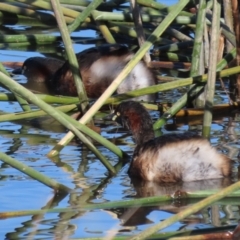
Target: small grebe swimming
172, 157
98, 67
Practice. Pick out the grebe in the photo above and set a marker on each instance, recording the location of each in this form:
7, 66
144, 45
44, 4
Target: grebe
98, 67
172, 157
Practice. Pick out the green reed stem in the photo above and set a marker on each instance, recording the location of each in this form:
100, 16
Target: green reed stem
71, 55
160, 6
188, 211
33, 173
169, 86
36, 38
138, 56
143, 202
24, 11
177, 34
211, 82
46, 5
198, 40
175, 46
183, 100
23, 103
83, 3
197, 56
22, 20
118, 16
90, 145
129, 31
56, 114
149, 90
81, 17
103, 141
105, 31
152, 4
33, 114
44, 97
173, 57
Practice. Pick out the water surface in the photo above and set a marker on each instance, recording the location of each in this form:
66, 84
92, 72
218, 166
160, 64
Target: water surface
79, 169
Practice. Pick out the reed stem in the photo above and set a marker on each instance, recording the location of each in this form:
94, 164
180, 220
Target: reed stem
71, 55
33, 173
211, 82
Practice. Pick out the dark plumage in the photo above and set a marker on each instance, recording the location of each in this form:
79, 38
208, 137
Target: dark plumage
98, 67
39, 69
172, 157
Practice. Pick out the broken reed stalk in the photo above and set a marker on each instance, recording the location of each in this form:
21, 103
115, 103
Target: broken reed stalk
211, 82
138, 56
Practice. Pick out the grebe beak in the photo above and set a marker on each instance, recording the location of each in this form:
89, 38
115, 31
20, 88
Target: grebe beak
114, 117
110, 116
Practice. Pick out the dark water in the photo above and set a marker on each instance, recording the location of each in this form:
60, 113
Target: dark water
78, 168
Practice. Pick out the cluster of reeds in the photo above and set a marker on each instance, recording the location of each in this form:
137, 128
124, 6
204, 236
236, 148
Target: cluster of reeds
186, 35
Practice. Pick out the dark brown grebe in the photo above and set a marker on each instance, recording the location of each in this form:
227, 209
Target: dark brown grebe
172, 157
99, 66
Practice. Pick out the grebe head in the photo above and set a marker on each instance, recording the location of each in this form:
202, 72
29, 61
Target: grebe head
170, 158
39, 69
135, 117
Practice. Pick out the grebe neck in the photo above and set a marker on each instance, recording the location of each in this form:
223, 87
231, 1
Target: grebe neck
134, 116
